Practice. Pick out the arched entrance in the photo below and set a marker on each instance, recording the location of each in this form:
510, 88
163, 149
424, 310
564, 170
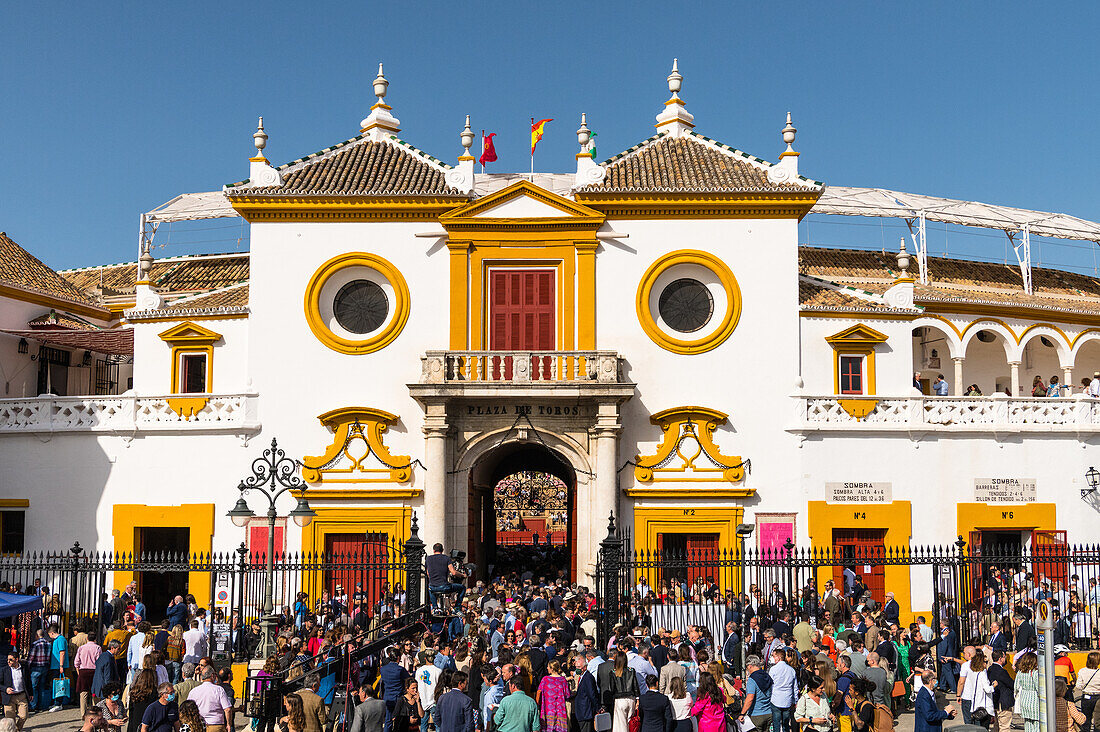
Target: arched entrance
522, 506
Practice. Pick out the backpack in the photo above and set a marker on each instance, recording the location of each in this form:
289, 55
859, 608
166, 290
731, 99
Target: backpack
884, 718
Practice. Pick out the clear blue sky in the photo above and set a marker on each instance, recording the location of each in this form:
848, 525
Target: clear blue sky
110, 109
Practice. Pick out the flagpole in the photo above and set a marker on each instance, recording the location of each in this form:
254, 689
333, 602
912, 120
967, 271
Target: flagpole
483, 152
532, 150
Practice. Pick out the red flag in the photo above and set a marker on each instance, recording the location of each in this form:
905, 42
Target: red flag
488, 152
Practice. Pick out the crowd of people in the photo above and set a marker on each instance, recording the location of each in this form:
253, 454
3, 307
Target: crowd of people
520, 654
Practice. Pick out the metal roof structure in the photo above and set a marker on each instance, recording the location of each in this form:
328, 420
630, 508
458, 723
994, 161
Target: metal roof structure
917, 210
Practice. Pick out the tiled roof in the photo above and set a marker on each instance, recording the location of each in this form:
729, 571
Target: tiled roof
230, 297
172, 274
690, 163
22, 269
822, 296
54, 319
362, 166
956, 280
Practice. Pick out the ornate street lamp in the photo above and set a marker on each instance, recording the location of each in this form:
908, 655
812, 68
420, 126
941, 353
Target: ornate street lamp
1092, 477
273, 474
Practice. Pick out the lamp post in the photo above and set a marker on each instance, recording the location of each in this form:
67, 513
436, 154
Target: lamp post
273, 474
744, 531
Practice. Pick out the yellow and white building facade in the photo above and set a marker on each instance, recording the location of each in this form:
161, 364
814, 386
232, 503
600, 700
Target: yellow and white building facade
647, 329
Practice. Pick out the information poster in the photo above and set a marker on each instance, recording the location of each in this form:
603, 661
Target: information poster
856, 492
1004, 490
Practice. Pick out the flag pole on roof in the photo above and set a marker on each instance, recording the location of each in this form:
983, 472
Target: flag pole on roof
537, 129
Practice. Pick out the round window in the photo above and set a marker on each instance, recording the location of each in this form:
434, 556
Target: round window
361, 306
686, 305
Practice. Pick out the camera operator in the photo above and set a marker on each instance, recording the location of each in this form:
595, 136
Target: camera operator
444, 576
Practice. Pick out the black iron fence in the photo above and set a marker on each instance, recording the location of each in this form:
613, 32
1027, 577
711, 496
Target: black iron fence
77, 586
970, 587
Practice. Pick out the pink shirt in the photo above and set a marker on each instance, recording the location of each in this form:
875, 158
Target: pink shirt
712, 718
212, 702
86, 656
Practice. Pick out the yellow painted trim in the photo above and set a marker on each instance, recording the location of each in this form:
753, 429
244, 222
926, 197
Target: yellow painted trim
1022, 516
677, 425
394, 521
699, 205
188, 333
790, 154
466, 157
58, 303
586, 295
198, 518
283, 208
1023, 312
679, 345
717, 492
520, 189
1073, 343
896, 518
949, 324
857, 408
359, 494
1055, 328
188, 407
15, 503
347, 345
190, 338
649, 522
258, 159
459, 291
366, 425
858, 340
999, 322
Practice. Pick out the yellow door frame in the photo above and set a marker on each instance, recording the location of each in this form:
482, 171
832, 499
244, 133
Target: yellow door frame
197, 518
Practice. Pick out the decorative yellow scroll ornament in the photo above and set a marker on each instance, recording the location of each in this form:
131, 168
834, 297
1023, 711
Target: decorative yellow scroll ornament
357, 436
687, 452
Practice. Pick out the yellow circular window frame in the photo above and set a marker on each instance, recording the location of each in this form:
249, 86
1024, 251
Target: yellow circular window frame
346, 345
724, 275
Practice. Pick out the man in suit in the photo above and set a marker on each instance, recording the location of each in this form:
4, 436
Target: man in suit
997, 640
313, 705
603, 683
454, 712
1004, 692
926, 716
891, 611
870, 635
782, 627
658, 654
370, 712
586, 701
15, 685
1025, 632
946, 650
754, 637
538, 658
106, 670
885, 649
654, 709
731, 648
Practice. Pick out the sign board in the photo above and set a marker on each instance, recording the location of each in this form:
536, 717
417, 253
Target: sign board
1004, 490
1044, 641
1043, 618
857, 492
221, 590
219, 640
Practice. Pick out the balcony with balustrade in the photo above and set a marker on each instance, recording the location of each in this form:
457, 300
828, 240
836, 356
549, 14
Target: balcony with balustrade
131, 415
555, 374
996, 414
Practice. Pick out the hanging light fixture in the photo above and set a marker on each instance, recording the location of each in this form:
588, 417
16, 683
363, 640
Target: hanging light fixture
23, 345
1092, 477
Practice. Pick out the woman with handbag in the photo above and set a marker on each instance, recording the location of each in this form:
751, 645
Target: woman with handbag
681, 704
1087, 690
1066, 715
624, 692
812, 710
982, 711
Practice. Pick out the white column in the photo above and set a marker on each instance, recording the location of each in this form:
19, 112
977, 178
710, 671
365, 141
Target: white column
1068, 377
958, 384
434, 521
605, 496
1015, 366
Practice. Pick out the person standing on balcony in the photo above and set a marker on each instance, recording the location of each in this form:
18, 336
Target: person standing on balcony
1055, 389
1038, 388
940, 387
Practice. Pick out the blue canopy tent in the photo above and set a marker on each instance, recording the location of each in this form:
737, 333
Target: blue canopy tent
11, 605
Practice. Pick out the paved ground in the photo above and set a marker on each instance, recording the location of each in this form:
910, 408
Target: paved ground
69, 719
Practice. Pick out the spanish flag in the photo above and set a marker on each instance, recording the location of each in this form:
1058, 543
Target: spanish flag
536, 132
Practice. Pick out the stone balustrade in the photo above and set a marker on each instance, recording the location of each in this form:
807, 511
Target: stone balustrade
996, 413
129, 414
523, 367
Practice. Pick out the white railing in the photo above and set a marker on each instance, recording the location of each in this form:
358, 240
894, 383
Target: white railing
130, 413
995, 413
530, 367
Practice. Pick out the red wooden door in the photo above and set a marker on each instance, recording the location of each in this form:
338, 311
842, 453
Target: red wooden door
521, 317
257, 540
356, 559
864, 551
1050, 556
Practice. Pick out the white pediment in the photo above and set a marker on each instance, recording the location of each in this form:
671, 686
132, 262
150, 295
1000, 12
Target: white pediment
521, 207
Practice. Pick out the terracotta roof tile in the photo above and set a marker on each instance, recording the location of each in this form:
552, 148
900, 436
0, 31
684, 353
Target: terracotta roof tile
363, 167
688, 164
230, 297
170, 275
22, 269
54, 319
820, 296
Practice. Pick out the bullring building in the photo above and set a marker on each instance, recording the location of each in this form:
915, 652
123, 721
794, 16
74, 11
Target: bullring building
513, 355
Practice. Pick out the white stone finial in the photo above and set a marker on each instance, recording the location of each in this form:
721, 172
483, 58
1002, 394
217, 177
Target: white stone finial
788, 136
903, 259
466, 137
145, 263
380, 123
380, 84
674, 120
583, 133
259, 139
